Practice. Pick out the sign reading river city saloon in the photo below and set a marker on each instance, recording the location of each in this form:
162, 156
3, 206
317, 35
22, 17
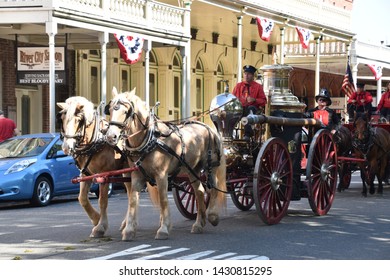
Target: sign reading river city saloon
33, 65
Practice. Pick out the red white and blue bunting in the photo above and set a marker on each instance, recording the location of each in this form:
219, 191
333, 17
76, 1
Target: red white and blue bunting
265, 27
304, 36
130, 47
376, 70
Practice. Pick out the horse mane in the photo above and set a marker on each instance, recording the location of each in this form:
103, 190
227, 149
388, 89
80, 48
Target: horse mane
130, 97
77, 104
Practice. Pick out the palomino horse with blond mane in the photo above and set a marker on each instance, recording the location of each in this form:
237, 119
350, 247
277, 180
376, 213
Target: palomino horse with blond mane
83, 133
162, 151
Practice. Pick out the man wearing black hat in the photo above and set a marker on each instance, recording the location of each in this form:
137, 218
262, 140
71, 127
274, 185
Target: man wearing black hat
359, 101
322, 112
251, 95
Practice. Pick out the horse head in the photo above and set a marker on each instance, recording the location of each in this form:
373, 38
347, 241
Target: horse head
76, 115
362, 132
128, 114
362, 127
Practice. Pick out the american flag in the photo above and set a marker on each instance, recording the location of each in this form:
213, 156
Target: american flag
348, 86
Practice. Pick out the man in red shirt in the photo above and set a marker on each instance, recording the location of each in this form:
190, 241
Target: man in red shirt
251, 95
359, 101
7, 127
322, 112
384, 104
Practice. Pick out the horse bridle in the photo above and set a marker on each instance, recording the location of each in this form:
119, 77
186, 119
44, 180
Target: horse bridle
130, 115
364, 144
80, 131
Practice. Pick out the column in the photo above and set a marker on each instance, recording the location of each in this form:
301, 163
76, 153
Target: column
281, 54
51, 30
317, 71
378, 91
239, 48
147, 48
186, 84
103, 40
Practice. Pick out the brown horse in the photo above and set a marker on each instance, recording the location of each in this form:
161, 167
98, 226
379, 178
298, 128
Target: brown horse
82, 130
373, 145
162, 151
343, 140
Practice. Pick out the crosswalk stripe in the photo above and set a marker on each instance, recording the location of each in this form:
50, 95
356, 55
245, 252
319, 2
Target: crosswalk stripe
242, 257
132, 251
261, 258
219, 257
196, 255
166, 253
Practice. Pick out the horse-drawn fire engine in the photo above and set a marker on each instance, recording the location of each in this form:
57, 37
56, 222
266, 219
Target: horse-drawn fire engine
267, 170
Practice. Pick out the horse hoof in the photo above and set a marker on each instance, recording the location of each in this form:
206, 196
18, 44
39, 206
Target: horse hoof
128, 236
364, 194
213, 219
161, 236
372, 191
96, 235
196, 229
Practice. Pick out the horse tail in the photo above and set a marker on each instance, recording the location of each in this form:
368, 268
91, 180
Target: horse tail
153, 195
220, 172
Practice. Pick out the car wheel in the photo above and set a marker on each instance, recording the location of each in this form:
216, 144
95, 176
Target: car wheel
110, 190
42, 192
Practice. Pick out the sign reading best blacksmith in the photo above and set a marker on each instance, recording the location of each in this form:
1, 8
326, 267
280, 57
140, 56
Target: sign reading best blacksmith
33, 65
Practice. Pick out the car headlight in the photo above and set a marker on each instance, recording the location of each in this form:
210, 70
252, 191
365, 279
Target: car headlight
20, 165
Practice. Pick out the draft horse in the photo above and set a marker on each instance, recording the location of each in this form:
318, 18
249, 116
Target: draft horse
83, 132
161, 151
373, 145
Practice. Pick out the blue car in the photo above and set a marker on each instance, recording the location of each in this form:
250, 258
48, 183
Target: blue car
33, 167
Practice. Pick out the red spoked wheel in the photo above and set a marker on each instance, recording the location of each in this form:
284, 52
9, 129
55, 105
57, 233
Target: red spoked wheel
242, 194
321, 172
273, 181
185, 200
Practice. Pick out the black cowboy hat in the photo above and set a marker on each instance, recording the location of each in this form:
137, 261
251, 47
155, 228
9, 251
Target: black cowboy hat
250, 69
324, 94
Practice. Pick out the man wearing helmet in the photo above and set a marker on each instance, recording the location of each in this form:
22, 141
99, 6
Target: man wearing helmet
251, 95
322, 112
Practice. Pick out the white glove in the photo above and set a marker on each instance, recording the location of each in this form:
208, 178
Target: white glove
354, 101
362, 101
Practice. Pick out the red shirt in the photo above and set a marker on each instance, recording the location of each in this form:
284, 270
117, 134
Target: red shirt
359, 96
7, 128
255, 90
385, 101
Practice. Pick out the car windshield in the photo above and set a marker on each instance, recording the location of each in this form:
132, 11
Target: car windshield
23, 147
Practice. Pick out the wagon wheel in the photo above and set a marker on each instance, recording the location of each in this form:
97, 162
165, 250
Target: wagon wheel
273, 181
184, 197
242, 195
321, 172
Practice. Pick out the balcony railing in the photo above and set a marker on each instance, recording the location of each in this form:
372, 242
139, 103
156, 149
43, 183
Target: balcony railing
140, 13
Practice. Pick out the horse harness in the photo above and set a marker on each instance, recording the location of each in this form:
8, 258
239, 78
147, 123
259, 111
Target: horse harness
89, 149
364, 146
153, 140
